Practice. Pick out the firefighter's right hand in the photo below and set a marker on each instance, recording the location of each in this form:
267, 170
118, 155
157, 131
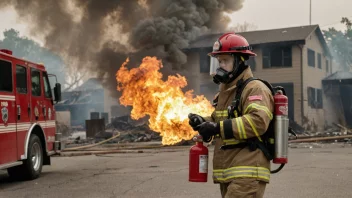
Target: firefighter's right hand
195, 120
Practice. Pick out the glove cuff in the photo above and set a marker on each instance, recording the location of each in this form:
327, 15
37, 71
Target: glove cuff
217, 128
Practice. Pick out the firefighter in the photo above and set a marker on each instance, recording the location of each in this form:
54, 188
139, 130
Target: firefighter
241, 169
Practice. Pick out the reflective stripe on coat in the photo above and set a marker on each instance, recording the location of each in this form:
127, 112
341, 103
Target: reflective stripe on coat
257, 106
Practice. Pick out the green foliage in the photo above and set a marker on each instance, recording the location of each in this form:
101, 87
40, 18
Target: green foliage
28, 49
340, 44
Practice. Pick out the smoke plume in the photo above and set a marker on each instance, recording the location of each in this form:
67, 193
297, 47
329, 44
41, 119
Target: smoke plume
97, 36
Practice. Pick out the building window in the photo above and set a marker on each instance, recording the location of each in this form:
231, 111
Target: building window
311, 58
251, 63
5, 76
319, 60
315, 98
319, 98
21, 79
327, 66
204, 61
277, 57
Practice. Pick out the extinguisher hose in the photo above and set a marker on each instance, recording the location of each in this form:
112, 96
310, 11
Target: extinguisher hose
278, 169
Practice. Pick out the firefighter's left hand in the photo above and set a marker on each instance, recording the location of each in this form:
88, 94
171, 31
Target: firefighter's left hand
208, 129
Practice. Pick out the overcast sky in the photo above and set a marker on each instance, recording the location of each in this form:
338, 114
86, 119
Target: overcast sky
265, 14
268, 14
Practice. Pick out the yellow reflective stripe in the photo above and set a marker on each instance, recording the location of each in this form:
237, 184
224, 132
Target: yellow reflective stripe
231, 141
239, 127
221, 113
271, 140
242, 127
236, 114
242, 168
259, 107
241, 171
249, 119
222, 129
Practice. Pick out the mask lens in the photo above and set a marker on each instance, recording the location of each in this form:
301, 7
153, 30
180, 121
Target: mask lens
214, 65
220, 71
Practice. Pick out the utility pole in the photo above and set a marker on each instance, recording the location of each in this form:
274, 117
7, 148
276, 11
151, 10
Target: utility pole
310, 12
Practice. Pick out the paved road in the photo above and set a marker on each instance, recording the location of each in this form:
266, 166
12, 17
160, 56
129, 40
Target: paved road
312, 172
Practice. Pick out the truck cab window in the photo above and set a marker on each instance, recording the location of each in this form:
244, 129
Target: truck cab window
46, 85
21, 79
36, 87
5, 76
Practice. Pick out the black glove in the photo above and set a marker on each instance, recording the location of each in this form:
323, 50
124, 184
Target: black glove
208, 129
195, 120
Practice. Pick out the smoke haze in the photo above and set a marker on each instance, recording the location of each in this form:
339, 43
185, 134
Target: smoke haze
97, 36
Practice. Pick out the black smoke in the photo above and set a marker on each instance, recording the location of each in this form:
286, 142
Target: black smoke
91, 36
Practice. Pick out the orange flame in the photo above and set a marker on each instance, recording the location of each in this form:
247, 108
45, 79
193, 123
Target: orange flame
165, 103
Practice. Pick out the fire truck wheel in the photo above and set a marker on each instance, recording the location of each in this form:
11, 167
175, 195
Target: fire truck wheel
32, 166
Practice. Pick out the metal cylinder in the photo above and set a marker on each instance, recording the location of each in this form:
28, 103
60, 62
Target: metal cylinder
281, 128
281, 140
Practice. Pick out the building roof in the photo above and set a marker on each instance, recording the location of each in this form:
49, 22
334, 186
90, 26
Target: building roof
90, 84
339, 75
299, 33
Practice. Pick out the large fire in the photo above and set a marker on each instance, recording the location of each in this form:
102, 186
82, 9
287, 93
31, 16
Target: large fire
163, 101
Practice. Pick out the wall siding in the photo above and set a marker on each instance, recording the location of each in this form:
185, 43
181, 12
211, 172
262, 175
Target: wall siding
312, 77
283, 75
286, 75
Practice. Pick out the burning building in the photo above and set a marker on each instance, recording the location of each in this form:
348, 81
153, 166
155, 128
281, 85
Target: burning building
88, 101
338, 91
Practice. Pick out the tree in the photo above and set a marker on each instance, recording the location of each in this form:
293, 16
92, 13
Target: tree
340, 44
243, 27
28, 49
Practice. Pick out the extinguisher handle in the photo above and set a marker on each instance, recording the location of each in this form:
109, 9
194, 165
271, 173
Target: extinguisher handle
281, 89
207, 139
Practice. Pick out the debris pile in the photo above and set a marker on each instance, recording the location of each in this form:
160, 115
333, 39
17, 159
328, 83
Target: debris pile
135, 131
136, 135
329, 131
296, 127
63, 129
131, 131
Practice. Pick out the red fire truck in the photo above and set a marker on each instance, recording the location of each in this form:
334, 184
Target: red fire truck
27, 117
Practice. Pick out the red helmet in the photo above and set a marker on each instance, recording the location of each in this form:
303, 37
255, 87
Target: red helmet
231, 43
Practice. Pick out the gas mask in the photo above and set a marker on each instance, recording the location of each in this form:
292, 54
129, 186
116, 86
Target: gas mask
225, 77
222, 76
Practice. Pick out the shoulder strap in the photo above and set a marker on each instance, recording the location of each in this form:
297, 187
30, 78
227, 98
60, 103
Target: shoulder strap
216, 98
241, 85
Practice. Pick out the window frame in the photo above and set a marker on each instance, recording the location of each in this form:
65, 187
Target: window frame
46, 81
317, 101
40, 82
12, 79
313, 54
319, 60
26, 80
286, 56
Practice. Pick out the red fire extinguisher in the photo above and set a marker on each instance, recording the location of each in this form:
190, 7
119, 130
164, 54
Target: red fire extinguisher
198, 161
281, 128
